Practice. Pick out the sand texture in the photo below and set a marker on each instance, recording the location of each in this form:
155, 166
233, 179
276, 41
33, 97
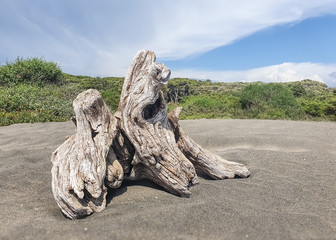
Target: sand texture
291, 193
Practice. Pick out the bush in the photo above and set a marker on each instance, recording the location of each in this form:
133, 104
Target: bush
24, 102
27, 103
319, 107
178, 88
31, 70
110, 87
270, 101
208, 106
297, 89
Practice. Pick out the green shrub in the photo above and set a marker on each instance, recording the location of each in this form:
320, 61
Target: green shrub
29, 116
330, 109
208, 106
31, 70
180, 87
24, 102
270, 101
111, 98
30, 103
319, 107
110, 87
298, 89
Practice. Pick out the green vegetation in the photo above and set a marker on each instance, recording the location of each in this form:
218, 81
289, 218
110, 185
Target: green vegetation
209, 106
271, 101
34, 90
29, 103
32, 70
319, 107
304, 100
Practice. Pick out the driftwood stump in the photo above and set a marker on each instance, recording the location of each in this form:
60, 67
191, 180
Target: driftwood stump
141, 140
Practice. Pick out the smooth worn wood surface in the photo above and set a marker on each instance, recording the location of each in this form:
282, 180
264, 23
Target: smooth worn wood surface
139, 141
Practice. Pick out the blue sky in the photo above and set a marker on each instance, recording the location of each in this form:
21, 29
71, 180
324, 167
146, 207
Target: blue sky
242, 40
311, 40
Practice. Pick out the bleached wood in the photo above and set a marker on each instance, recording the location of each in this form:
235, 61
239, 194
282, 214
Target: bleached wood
144, 120
79, 164
212, 164
139, 141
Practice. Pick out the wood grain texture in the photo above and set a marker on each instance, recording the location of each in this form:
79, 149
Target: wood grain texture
144, 120
79, 164
211, 164
139, 141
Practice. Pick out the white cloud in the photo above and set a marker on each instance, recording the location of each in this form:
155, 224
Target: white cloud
192, 27
286, 72
101, 38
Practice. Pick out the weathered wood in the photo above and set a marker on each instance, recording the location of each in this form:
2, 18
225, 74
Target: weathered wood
211, 164
79, 164
144, 120
139, 141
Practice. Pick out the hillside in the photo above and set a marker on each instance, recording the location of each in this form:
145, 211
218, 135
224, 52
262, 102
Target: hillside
43, 93
303, 100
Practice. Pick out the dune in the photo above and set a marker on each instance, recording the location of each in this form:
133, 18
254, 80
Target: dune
290, 194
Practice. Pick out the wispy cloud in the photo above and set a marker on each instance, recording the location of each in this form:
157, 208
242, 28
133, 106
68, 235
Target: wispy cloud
101, 38
286, 72
200, 26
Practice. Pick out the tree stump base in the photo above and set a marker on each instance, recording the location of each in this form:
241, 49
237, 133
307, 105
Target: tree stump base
141, 140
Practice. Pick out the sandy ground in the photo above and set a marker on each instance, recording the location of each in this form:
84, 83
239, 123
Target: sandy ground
291, 193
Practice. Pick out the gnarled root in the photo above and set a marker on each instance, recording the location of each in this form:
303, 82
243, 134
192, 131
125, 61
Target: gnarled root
143, 119
212, 164
139, 141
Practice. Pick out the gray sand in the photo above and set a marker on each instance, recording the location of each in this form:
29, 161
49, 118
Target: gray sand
291, 193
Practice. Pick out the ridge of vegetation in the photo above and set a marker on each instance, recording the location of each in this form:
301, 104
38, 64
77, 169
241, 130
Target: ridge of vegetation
34, 90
